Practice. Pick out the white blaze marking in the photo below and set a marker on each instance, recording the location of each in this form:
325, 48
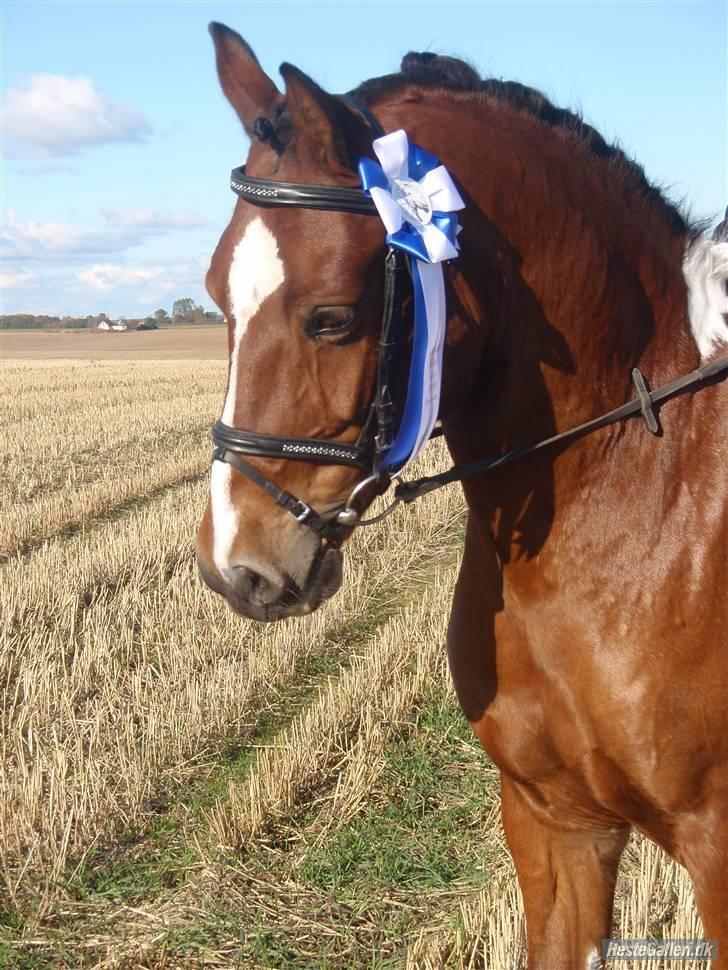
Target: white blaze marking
705, 268
256, 271
225, 516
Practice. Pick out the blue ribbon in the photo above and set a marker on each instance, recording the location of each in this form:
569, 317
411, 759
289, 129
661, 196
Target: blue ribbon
372, 175
409, 240
404, 440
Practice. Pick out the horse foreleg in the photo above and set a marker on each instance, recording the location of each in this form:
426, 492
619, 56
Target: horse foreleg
567, 878
703, 849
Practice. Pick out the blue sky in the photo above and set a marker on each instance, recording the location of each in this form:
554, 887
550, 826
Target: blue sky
118, 143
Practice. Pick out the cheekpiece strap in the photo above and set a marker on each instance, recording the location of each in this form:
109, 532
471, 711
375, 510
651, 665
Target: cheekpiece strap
368, 116
301, 511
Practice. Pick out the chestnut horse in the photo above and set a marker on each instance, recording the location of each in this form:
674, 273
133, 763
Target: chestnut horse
587, 640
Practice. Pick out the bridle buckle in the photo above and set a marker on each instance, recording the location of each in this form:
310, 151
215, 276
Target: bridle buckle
301, 512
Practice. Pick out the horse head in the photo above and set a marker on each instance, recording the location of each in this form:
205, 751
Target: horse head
301, 289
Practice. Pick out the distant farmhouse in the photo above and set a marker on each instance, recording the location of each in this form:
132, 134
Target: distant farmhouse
122, 324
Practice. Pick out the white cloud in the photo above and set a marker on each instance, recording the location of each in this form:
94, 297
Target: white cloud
43, 240
117, 288
57, 115
143, 284
106, 276
147, 219
28, 239
9, 281
148, 286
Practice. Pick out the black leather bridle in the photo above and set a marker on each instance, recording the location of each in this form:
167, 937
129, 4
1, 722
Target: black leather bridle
377, 433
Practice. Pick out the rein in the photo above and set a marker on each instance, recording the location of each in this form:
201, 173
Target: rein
378, 431
715, 370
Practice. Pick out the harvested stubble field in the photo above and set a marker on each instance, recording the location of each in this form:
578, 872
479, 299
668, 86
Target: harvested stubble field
186, 789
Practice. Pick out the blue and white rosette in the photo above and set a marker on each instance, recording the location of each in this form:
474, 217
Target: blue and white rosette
417, 201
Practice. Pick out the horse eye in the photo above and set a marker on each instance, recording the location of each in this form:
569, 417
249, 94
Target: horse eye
330, 321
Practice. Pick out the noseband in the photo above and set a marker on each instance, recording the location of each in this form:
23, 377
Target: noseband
377, 433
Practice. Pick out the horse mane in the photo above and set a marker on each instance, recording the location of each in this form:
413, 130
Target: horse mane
456, 78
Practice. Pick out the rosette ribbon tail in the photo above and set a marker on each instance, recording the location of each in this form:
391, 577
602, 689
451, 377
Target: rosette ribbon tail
425, 376
417, 201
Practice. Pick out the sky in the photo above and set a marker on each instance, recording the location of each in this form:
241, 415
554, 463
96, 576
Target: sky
117, 142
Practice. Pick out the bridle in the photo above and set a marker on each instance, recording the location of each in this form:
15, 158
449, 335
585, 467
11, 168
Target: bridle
378, 430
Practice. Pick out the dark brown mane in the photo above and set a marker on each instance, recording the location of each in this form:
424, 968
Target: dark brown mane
452, 76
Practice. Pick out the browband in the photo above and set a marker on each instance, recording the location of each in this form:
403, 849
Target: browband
295, 449
331, 197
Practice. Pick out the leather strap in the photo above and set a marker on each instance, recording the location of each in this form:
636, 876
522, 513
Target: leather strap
369, 116
334, 198
315, 450
330, 532
232, 442
394, 271
714, 370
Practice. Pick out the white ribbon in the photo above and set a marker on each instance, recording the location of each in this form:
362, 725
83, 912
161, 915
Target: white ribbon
433, 289
436, 186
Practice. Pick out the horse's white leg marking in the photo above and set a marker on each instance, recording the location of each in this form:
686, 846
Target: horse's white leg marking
705, 268
256, 271
594, 960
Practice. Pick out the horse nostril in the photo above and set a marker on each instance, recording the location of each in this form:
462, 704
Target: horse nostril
255, 588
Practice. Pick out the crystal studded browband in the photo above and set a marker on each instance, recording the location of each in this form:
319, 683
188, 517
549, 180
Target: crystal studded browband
330, 197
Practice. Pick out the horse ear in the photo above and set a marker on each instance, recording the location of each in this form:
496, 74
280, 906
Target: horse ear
336, 135
245, 84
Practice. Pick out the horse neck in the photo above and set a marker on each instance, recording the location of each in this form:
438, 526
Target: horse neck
569, 276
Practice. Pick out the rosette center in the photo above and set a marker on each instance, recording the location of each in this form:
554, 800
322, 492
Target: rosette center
413, 201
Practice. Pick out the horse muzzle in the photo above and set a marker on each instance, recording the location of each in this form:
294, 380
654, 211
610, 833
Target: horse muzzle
271, 597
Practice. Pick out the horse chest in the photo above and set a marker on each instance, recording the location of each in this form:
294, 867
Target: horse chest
575, 719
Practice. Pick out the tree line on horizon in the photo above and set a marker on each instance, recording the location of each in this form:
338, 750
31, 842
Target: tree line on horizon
184, 311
